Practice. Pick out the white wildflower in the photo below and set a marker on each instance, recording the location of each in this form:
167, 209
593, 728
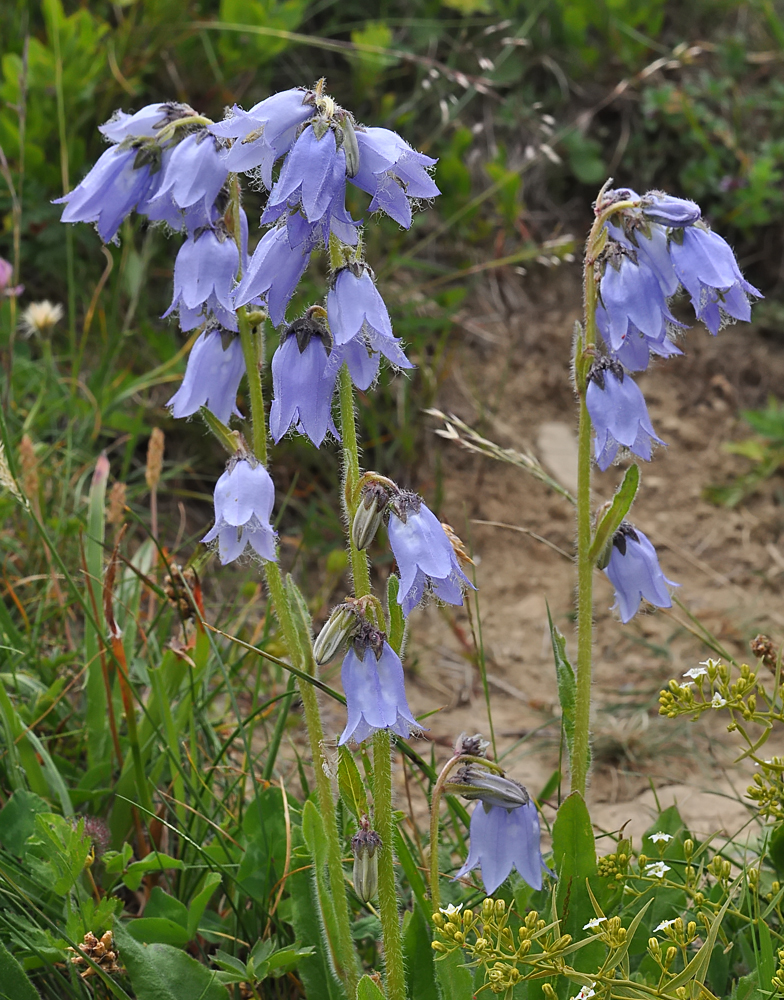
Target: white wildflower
717, 701
40, 317
660, 837
451, 912
593, 923
657, 869
696, 672
664, 925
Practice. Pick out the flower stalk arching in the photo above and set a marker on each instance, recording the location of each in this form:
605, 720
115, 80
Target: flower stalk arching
584, 350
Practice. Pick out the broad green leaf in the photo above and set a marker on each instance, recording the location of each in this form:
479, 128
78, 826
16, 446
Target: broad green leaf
14, 984
775, 848
17, 819
567, 684
198, 903
352, 789
264, 829
420, 964
367, 990
767, 964
159, 930
23, 767
314, 970
155, 862
316, 841
455, 981
574, 852
160, 972
619, 508
161, 904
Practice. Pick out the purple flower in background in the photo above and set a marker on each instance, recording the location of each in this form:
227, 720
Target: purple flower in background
264, 133
668, 210
618, 412
503, 839
631, 293
355, 309
313, 175
204, 273
192, 175
273, 273
707, 269
393, 173
6, 273
424, 554
634, 572
120, 179
212, 377
244, 497
303, 382
372, 676
145, 123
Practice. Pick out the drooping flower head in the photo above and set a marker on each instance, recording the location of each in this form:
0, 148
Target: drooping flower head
212, 376
244, 498
424, 554
204, 275
273, 272
635, 574
303, 381
618, 413
192, 174
372, 676
393, 173
146, 123
503, 839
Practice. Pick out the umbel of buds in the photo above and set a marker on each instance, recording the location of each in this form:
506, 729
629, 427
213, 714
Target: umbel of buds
373, 501
365, 844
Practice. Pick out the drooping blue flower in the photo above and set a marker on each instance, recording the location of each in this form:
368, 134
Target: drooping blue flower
312, 177
631, 293
503, 839
393, 173
244, 498
273, 273
145, 123
362, 360
121, 178
373, 683
666, 210
193, 173
355, 309
264, 133
636, 349
650, 243
635, 574
204, 274
212, 377
618, 412
707, 269
162, 208
303, 383
424, 554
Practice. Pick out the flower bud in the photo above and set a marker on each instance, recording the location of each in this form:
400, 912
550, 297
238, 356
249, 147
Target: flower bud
669, 957
669, 211
499, 907
688, 848
336, 630
653, 946
487, 908
473, 782
373, 500
472, 746
365, 845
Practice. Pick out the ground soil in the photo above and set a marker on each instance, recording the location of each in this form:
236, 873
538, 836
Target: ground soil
510, 378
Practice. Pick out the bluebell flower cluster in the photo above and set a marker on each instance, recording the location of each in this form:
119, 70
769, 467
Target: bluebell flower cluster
656, 245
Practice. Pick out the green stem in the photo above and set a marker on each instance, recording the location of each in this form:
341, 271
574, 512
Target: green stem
345, 960
251, 351
387, 889
584, 352
348, 430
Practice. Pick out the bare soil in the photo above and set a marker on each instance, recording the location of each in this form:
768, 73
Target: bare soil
510, 379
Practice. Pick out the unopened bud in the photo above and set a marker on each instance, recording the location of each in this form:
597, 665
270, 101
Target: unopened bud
549, 992
438, 946
653, 946
336, 630
669, 957
373, 500
365, 845
487, 908
499, 907
471, 746
474, 782
688, 848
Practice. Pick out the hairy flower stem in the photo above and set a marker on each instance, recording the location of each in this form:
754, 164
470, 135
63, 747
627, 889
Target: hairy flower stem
387, 889
382, 748
344, 960
435, 805
584, 351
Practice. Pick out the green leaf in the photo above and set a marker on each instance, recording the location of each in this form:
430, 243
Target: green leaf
198, 904
314, 970
397, 621
17, 819
574, 852
619, 508
159, 930
567, 684
220, 431
775, 848
316, 841
155, 862
420, 964
352, 789
264, 827
159, 972
14, 984
767, 964
96, 714
455, 981
303, 622
161, 904
367, 990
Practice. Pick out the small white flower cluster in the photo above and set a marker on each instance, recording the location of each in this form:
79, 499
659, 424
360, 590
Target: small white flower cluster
587, 991
664, 925
593, 923
660, 837
657, 869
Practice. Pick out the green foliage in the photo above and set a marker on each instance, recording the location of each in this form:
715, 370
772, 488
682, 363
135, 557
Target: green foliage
765, 451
